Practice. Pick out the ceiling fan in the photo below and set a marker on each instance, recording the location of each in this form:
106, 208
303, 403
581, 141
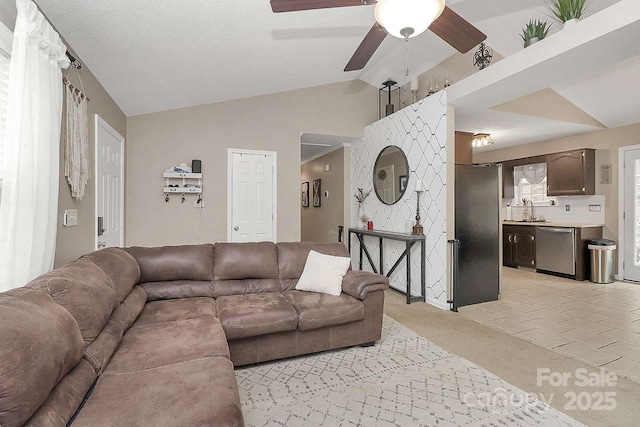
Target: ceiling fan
400, 18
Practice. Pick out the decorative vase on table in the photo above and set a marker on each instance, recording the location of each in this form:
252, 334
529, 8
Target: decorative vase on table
360, 196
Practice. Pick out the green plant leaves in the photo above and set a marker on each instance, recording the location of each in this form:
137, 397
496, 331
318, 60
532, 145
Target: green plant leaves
535, 28
564, 10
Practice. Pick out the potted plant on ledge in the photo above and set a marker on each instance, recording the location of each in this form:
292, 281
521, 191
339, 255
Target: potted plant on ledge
534, 31
568, 11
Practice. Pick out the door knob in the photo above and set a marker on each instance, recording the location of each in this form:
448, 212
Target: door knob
102, 245
236, 228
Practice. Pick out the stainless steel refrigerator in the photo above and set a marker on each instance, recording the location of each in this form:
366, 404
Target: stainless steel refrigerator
478, 231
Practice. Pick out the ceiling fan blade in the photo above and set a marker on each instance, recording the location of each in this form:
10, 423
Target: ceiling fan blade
295, 5
456, 31
367, 48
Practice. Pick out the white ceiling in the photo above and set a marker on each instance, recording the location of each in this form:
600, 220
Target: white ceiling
314, 145
165, 54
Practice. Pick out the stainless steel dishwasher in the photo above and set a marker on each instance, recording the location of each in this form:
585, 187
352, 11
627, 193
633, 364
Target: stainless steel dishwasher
556, 250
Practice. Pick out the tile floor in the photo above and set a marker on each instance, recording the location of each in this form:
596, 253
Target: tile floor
596, 324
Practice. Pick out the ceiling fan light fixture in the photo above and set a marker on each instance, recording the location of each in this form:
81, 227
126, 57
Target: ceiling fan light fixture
407, 18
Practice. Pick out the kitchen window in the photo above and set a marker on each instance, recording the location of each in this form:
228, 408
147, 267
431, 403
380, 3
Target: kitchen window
531, 184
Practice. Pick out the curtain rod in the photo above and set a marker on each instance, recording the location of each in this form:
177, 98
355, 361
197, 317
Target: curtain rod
74, 62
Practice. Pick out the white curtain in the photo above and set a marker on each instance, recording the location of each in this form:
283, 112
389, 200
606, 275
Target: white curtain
28, 209
533, 174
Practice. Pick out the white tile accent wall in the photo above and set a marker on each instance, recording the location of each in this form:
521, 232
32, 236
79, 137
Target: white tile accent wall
420, 130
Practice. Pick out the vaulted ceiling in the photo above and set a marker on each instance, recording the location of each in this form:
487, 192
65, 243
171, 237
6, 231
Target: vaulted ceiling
165, 54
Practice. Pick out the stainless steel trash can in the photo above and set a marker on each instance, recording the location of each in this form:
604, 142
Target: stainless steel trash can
602, 260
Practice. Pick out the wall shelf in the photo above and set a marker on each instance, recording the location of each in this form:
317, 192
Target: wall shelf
182, 183
183, 175
183, 190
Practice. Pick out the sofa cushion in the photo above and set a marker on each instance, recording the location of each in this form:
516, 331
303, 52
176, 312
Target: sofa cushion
65, 398
200, 392
176, 309
85, 291
256, 314
162, 344
319, 310
234, 261
121, 267
188, 262
40, 343
323, 273
243, 287
292, 257
178, 289
245, 268
99, 352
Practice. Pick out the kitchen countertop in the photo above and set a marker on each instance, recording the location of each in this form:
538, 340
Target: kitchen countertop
552, 224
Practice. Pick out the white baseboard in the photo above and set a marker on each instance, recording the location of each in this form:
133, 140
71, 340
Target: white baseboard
438, 304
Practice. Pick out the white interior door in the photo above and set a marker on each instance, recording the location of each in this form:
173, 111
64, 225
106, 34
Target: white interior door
109, 186
632, 215
252, 196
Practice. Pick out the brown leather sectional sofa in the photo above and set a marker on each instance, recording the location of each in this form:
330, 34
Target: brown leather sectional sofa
150, 336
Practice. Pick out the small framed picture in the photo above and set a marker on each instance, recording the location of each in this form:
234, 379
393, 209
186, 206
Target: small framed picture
403, 182
305, 194
316, 193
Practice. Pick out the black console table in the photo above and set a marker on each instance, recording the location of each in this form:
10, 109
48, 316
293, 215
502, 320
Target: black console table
409, 239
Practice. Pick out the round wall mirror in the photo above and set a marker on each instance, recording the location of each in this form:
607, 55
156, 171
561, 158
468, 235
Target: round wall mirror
390, 175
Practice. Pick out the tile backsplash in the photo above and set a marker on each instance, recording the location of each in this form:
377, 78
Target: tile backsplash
582, 210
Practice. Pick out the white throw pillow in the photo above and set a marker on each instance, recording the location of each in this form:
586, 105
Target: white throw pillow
323, 273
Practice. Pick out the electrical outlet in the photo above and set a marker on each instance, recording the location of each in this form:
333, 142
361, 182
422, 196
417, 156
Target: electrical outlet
594, 208
567, 208
198, 205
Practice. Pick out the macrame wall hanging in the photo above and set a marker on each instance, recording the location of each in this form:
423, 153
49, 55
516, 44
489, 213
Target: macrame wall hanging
76, 138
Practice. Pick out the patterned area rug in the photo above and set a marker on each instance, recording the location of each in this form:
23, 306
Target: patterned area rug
402, 381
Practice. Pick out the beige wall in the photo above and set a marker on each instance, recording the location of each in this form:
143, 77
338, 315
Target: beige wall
75, 241
317, 223
606, 143
270, 122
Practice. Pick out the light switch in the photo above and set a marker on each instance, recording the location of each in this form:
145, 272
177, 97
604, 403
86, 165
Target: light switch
70, 218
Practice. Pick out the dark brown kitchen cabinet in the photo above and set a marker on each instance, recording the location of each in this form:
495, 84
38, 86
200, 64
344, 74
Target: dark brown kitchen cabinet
519, 246
507, 179
571, 173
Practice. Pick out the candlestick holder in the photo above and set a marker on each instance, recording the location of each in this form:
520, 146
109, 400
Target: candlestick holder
417, 229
